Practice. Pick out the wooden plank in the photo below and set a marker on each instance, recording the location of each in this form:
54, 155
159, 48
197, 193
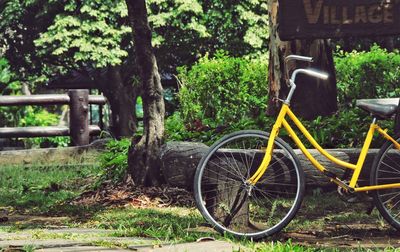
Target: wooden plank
307, 19
35, 157
94, 130
97, 99
50, 131
45, 99
9, 132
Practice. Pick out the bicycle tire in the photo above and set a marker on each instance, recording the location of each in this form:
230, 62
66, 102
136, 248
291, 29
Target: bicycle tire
220, 189
386, 169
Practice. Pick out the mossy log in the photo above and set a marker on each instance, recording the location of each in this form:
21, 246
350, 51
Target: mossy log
180, 159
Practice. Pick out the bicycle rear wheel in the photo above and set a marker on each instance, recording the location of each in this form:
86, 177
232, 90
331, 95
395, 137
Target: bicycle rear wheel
386, 170
233, 206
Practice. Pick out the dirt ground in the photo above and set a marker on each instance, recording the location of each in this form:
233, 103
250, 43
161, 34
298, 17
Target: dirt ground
327, 221
324, 220
351, 235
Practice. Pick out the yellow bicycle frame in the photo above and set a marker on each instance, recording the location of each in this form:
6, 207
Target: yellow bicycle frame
285, 110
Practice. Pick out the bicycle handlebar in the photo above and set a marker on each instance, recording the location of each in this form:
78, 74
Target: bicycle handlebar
311, 72
298, 57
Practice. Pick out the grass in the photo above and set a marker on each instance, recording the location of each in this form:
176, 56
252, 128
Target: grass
44, 190
327, 208
288, 246
164, 224
39, 189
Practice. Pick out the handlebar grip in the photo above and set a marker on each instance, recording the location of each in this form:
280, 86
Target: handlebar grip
298, 57
311, 72
316, 74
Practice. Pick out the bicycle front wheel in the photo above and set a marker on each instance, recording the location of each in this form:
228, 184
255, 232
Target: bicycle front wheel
230, 204
386, 170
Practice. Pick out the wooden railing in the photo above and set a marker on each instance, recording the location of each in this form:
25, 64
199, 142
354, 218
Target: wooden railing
79, 129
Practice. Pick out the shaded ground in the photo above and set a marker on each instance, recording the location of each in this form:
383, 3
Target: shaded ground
352, 235
324, 221
51, 197
127, 193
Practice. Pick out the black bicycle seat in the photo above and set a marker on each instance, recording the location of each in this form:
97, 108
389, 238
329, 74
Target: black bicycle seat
382, 111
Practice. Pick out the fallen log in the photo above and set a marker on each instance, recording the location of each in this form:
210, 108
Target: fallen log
180, 159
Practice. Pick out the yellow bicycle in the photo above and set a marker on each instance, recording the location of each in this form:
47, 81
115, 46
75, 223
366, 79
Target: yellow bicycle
250, 183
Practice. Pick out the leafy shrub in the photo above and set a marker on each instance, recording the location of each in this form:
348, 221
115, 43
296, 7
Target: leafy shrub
222, 90
363, 75
177, 131
345, 129
114, 160
9, 116
38, 117
209, 86
32, 116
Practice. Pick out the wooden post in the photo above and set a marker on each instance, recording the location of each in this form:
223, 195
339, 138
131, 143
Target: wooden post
78, 121
101, 123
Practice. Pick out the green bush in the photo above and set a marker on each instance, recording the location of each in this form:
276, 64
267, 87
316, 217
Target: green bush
32, 116
218, 98
176, 130
363, 75
222, 90
114, 160
9, 116
345, 129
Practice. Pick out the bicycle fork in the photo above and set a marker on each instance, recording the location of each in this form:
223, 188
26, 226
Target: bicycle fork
268, 153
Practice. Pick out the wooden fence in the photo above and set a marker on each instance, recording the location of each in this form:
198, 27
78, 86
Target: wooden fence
79, 129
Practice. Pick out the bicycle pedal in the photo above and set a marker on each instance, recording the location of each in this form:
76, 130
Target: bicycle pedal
351, 197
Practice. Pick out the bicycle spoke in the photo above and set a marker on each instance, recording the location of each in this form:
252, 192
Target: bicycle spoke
387, 171
235, 206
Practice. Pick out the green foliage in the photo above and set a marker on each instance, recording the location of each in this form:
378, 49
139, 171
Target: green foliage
239, 27
8, 115
87, 32
372, 74
114, 161
215, 101
222, 90
40, 117
5, 74
177, 130
218, 96
345, 129
185, 29
182, 14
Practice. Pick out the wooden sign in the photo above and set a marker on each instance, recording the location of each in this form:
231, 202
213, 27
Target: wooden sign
304, 19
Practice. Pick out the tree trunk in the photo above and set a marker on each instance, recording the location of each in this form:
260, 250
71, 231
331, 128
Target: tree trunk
144, 158
122, 98
313, 97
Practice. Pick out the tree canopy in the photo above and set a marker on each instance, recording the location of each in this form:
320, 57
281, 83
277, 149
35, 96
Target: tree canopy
45, 37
